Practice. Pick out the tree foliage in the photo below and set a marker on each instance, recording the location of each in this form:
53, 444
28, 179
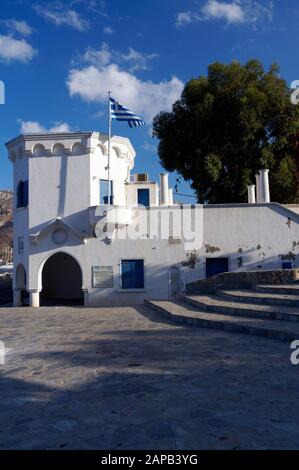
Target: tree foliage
228, 125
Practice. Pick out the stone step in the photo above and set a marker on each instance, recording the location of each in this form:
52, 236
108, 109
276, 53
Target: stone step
288, 289
214, 304
181, 312
264, 298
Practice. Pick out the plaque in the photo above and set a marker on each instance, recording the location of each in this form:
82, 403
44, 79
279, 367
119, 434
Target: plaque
102, 276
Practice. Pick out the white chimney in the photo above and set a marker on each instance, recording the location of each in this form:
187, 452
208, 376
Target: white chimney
258, 188
164, 191
170, 197
264, 185
251, 194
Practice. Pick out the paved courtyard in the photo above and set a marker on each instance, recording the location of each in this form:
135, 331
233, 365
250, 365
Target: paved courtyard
120, 378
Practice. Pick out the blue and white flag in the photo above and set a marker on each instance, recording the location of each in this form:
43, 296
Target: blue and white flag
121, 113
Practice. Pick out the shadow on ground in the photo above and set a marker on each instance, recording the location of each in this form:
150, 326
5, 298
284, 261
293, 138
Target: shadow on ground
122, 379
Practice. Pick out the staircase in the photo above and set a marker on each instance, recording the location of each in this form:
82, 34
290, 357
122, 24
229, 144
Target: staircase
270, 311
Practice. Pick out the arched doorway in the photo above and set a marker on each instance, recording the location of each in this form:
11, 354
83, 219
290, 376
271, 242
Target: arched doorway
62, 281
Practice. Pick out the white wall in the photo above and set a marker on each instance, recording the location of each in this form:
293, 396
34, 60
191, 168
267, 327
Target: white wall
252, 237
257, 233
132, 189
21, 214
58, 186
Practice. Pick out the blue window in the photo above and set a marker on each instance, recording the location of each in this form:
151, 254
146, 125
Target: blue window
287, 265
132, 274
104, 192
143, 197
22, 194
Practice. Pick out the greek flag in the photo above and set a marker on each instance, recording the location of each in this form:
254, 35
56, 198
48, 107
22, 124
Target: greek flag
121, 113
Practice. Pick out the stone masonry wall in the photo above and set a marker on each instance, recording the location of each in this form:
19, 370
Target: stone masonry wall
242, 280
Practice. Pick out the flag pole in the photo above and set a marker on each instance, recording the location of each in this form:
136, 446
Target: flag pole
109, 139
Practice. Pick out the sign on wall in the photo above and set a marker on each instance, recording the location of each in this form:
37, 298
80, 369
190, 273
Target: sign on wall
102, 276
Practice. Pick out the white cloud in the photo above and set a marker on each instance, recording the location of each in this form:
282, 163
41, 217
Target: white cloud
21, 27
143, 97
62, 17
96, 6
12, 49
139, 61
133, 60
60, 127
31, 127
108, 30
34, 127
100, 57
185, 17
233, 12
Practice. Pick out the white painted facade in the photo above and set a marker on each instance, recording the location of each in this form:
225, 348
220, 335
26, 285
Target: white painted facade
64, 215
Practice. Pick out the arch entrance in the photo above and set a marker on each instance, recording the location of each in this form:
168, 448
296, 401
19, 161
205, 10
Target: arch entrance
62, 281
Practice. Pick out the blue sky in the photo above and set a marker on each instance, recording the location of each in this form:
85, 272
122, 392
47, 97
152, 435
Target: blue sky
58, 60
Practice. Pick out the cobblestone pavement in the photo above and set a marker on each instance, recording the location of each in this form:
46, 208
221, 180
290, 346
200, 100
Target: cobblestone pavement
119, 378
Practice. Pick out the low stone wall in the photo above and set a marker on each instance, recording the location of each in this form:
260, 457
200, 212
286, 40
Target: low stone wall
242, 280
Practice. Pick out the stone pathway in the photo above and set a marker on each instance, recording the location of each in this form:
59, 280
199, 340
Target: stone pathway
120, 378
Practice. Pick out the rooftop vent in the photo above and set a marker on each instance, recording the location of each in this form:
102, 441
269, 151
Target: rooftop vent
141, 177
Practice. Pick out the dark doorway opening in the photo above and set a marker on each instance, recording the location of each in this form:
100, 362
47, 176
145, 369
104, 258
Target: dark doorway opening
216, 266
62, 281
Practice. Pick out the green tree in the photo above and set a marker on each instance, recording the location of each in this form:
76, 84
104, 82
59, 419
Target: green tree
228, 125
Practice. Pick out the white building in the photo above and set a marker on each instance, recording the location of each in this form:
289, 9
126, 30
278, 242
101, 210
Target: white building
70, 244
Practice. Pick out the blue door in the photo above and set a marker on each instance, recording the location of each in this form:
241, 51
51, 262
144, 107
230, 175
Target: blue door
216, 266
143, 197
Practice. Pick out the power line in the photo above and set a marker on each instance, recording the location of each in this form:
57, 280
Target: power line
185, 195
